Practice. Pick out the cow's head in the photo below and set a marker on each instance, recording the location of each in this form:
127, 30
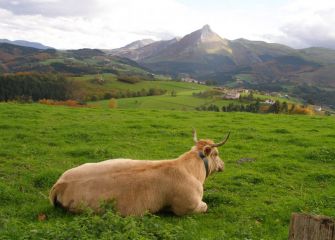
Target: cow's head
210, 150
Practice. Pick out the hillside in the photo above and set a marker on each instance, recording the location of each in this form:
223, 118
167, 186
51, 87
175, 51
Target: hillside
90, 88
15, 58
292, 171
202, 55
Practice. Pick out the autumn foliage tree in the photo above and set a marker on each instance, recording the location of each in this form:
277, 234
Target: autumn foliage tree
112, 103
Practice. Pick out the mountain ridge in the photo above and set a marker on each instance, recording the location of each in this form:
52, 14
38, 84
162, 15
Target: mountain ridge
25, 43
203, 53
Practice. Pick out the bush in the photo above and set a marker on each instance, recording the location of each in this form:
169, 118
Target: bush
112, 103
129, 79
70, 103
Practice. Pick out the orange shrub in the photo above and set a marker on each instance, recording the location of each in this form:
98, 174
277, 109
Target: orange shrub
70, 103
112, 103
302, 110
264, 108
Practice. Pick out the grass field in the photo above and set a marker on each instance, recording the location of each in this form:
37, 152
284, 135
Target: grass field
111, 83
184, 100
293, 171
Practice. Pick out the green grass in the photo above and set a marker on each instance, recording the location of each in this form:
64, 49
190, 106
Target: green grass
293, 171
111, 83
183, 101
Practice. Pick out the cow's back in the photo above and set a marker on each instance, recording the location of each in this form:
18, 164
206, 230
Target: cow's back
136, 185
91, 170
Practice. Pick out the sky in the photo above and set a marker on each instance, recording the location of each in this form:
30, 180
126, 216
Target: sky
107, 24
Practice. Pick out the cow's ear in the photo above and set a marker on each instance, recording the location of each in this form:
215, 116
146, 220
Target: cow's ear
207, 150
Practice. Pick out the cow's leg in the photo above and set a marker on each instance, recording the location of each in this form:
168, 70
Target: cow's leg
188, 207
188, 198
201, 208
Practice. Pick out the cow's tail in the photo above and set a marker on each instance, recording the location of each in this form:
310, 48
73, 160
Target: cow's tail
55, 194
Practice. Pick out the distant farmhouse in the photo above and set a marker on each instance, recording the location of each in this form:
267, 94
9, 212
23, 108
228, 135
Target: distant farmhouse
191, 80
231, 95
269, 101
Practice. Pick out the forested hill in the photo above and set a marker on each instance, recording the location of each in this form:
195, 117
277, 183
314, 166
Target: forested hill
15, 58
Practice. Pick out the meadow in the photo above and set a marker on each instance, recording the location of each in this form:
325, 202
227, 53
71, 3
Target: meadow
293, 170
89, 85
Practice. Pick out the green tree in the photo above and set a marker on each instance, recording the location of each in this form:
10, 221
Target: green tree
284, 107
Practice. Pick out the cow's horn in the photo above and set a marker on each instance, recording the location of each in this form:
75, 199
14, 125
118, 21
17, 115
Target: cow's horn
195, 139
221, 143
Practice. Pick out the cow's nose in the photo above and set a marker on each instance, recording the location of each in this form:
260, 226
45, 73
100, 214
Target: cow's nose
221, 167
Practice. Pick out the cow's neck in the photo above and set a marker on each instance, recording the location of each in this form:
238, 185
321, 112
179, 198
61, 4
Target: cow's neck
205, 160
194, 165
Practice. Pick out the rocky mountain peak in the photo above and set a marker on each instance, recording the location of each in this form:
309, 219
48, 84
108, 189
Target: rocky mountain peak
206, 28
138, 44
207, 35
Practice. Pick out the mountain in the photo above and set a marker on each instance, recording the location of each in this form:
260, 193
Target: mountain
205, 55
140, 53
129, 50
25, 44
14, 58
138, 44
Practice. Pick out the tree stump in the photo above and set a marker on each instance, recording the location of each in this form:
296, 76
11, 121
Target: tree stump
308, 227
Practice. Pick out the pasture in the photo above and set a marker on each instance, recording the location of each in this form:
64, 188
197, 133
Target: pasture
293, 170
90, 87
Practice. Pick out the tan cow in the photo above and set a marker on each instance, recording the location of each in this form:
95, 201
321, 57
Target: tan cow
139, 186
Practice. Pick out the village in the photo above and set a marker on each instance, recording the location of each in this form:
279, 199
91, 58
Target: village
268, 98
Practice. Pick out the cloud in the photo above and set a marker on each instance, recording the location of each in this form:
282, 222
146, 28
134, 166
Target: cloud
50, 8
307, 23
93, 23
114, 23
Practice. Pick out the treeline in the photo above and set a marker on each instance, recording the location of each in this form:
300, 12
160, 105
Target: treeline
129, 79
134, 78
28, 87
116, 93
257, 107
315, 95
34, 86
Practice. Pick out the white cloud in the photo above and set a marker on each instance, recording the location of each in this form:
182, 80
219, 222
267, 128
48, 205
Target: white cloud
114, 23
307, 23
94, 23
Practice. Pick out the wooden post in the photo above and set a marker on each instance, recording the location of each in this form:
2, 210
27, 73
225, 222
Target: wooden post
308, 227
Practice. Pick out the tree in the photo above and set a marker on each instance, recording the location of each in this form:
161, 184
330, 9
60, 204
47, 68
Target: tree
275, 108
292, 109
250, 97
284, 107
173, 93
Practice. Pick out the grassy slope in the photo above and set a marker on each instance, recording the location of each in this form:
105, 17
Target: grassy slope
293, 171
183, 101
111, 83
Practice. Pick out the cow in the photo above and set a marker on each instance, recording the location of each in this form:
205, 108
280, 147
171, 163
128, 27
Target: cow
141, 186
